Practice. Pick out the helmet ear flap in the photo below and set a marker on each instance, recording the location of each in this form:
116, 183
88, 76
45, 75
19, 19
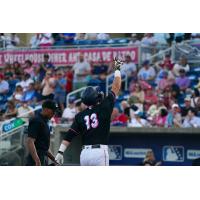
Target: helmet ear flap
100, 96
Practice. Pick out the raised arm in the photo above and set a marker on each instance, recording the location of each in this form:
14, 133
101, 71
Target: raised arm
116, 85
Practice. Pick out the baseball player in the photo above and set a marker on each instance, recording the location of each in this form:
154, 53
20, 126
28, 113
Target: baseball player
93, 124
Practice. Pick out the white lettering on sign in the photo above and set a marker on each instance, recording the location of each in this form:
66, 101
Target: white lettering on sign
193, 154
106, 55
135, 153
68, 56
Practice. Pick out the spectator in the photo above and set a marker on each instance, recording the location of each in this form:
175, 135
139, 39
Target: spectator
25, 112
138, 93
69, 78
79, 36
46, 40
12, 41
103, 36
154, 109
161, 118
30, 95
38, 95
35, 41
197, 106
129, 68
149, 40
48, 85
161, 38
183, 81
174, 118
60, 89
167, 63
28, 68
183, 64
178, 37
137, 121
81, 72
67, 38
174, 90
191, 120
165, 69
118, 119
99, 68
90, 36
134, 41
8, 71
147, 73
4, 86
125, 108
43, 67
187, 106
11, 110
2, 40
150, 159
194, 96
25, 82
150, 98
163, 82
18, 94
69, 112
18, 71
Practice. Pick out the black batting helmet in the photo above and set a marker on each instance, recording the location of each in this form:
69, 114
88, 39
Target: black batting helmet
91, 96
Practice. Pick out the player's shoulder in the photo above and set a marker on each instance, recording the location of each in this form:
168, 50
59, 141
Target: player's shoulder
36, 118
81, 114
111, 95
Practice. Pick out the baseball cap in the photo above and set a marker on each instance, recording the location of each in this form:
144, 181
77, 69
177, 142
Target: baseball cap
175, 105
146, 62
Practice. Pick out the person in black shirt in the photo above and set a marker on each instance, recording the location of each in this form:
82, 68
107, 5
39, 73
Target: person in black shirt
93, 124
38, 140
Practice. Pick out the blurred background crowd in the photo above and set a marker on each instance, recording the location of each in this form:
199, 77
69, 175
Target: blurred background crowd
159, 94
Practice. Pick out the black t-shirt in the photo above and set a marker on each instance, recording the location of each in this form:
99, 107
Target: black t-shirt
93, 123
184, 110
38, 129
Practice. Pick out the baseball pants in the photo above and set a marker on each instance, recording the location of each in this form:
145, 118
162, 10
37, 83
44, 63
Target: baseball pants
94, 156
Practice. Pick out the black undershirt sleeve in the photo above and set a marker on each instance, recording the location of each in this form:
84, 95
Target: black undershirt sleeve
72, 132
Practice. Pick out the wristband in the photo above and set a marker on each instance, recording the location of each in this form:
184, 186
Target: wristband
60, 152
62, 148
117, 73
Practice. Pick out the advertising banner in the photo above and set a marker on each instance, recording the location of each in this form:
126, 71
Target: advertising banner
68, 56
170, 149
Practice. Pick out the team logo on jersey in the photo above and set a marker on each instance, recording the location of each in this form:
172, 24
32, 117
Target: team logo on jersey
173, 153
115, 152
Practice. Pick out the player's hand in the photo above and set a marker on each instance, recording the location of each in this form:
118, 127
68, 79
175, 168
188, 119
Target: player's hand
59, 158
37, 162
117, 64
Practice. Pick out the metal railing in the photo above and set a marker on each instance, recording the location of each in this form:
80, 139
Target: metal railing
161, 54
4, 133
73, 93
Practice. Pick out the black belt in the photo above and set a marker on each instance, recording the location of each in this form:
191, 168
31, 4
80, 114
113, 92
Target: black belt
94, 146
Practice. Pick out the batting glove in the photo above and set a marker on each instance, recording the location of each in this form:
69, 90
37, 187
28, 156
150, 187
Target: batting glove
59, 158
118, 63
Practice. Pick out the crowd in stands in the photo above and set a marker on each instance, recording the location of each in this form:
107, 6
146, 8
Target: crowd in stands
160, 94
47, 40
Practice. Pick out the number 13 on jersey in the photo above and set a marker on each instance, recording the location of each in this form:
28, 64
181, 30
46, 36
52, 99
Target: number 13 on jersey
91, 121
